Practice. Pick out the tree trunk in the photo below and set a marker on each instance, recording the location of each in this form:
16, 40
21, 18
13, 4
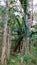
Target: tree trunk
23, 47
27, 46
4, 46
9, 44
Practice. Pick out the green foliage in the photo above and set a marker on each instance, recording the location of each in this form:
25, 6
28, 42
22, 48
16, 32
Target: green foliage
24, 4
18, 27
19, 21
27, 58
11, 1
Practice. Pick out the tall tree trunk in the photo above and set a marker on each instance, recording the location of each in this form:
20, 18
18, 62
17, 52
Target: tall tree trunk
4, 46
9, 44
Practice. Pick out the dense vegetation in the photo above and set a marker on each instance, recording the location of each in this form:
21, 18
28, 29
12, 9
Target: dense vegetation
18, 43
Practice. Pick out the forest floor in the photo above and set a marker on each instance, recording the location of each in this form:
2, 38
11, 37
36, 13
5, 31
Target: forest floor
29, 59
19, 59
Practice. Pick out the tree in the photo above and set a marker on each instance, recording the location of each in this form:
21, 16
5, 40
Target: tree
4, 44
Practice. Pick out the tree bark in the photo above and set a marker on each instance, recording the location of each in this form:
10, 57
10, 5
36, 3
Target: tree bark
27, 46
4, 43
9, 44
4, 46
